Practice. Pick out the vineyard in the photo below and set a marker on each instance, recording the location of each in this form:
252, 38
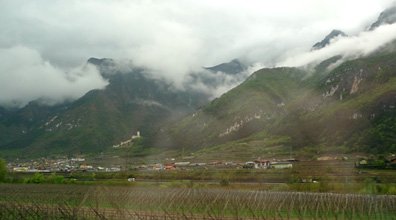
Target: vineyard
100, 202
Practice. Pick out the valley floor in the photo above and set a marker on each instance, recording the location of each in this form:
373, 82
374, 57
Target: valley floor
314, 189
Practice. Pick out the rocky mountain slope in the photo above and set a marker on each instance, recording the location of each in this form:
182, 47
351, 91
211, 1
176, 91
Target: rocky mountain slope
351, 107
133, 101
386, 17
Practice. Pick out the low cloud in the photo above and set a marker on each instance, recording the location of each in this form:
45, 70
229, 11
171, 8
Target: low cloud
349, 47
25, 76
216, 84
170, 39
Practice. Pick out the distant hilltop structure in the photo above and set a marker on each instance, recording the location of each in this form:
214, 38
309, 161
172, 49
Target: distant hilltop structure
126, 142
136, 136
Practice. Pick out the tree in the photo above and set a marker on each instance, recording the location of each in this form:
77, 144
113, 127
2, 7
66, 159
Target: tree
3, 170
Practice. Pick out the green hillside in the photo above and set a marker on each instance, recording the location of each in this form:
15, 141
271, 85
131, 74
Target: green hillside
257, 103
134, 100
101, 118
351, 108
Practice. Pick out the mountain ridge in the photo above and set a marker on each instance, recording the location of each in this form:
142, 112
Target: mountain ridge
388, 16
132, 101
349, 108
343, 110
327, 40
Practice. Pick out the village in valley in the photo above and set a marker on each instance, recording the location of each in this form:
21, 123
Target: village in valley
118, 163
44, 165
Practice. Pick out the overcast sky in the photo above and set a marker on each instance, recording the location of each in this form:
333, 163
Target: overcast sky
44, 43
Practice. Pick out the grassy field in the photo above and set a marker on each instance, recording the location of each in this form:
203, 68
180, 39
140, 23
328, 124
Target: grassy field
100, 202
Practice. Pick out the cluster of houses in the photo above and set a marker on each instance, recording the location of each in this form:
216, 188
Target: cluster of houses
266, 164
58, 165
173, 166
80, 164
256, 164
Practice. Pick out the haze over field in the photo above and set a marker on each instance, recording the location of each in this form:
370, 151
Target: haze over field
44, 45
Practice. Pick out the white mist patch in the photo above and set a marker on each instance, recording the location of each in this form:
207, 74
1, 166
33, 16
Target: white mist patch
234, 81
349, 47
25, 76
225, 82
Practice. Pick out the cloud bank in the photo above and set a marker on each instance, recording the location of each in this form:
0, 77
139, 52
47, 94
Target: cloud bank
25, 76
170, 38
350, 47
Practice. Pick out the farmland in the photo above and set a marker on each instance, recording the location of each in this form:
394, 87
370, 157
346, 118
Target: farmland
333, 189
116, 202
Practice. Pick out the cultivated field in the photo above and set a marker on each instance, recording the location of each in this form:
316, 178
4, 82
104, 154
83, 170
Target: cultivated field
28, 201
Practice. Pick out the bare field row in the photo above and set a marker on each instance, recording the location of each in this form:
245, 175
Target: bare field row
100, 202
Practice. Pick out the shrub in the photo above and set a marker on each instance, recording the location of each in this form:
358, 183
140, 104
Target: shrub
36, 178
40, 178
53, 178
3, 170
224, 182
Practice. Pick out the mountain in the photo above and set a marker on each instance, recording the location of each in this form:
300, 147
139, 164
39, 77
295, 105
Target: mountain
244, 109
214, 80
19, 126
386, 17
348, 109
327, 40
133, 101
232, 67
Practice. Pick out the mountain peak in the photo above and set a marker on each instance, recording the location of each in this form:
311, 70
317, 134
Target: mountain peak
99, 62
232, 67
386, 17
106, 66
326, 41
